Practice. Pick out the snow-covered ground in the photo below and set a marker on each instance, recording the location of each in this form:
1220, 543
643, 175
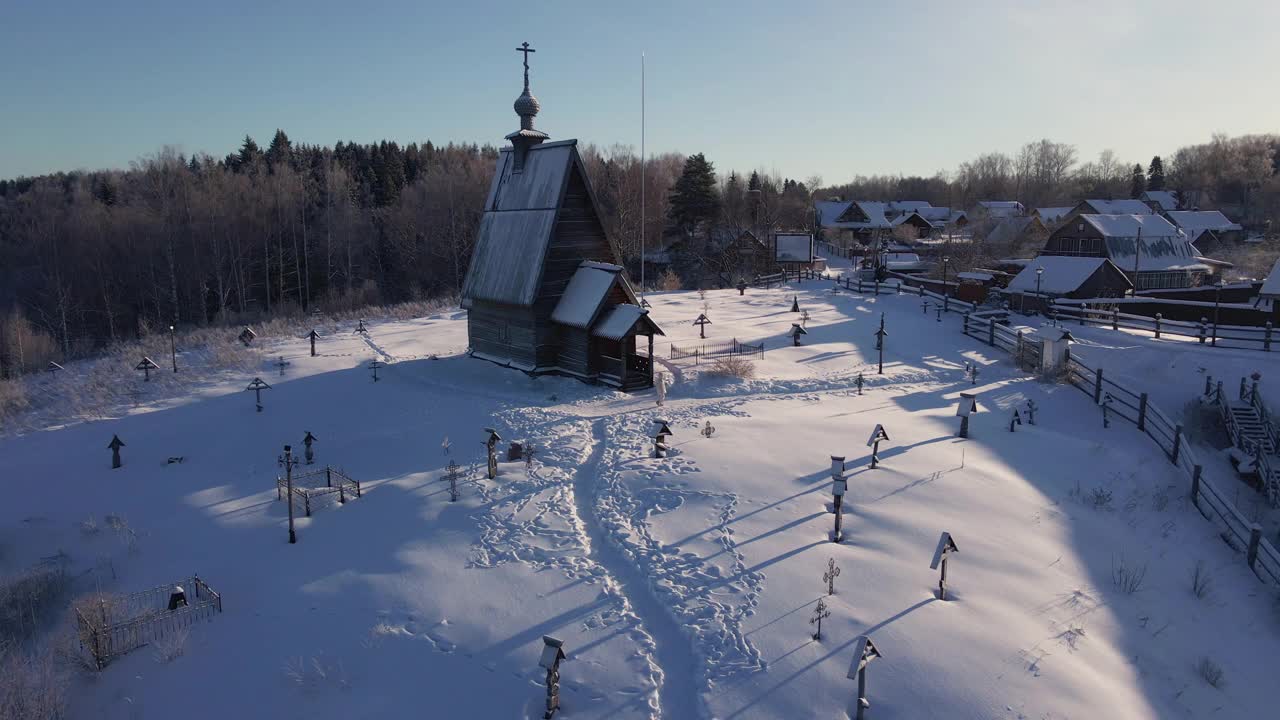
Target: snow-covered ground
683, 586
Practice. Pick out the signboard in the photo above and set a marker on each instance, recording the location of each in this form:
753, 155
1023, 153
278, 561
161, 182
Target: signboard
793, 247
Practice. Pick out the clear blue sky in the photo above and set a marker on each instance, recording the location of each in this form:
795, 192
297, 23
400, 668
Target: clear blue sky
832, 88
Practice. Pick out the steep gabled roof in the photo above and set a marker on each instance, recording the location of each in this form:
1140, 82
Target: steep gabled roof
1166, 199
519, 219
1162, 246
1118, 207
1053, 214
1062, 274
1194, 222
587, 291
620, 319
1271, 286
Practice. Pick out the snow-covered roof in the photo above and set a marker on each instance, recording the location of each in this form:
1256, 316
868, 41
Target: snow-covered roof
1166, 199
618, 320
1163, 247
519, 219
586, 293
1119, 207
1194, 222
906, 216
1001, 208
1062, 274
979, 276
1271, 286
1127, 225
1053, 214
829, 210
906, 205
1008, 229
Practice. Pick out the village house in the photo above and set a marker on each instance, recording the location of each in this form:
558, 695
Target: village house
1107, 207
545, 292
1160, 201
1051, 216
997, 209
1071, 277
1210, 230
1025, 232
844, 223
1147, 248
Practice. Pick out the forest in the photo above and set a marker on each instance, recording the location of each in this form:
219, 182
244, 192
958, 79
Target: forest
92, 258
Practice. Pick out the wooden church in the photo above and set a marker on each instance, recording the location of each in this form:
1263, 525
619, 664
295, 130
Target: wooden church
546, 292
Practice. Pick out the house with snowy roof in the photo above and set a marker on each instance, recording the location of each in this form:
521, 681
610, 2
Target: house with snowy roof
545, 291
1269, 293
997, 209
843, 222
1108, 207
1160, 201
1018, 232
1210, 230
1147, 248
1071, 277
1052, 215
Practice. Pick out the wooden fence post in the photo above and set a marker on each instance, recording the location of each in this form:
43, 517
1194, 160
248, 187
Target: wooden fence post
1177, 442
1203, 329
1084, 310
328, 477
1195, 485
1115, 318
1243, 391
1142, 411
1208, 384
1255, 538
991, 331
1097, 386
1157, 326
306, 499
1266, 337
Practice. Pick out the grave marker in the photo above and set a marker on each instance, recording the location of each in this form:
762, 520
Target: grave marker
313, 336
306, 443
967, 406
946, 546
552, 655
702, 322
839, 486
864, 651
1016, 419
115, 445
874, 443
491, 444
257, 386
246, 336
660, 434
796, 332
146, 366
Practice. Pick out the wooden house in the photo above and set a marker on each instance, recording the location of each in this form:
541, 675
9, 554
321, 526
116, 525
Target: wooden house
545, 292
1160, 201
1150, 251
1071, 277
1210, 230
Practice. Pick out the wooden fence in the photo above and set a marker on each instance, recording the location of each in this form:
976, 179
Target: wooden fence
1238, 531
1206, 332
335, 482
1259, 449
733, 347
109, 627
897, 287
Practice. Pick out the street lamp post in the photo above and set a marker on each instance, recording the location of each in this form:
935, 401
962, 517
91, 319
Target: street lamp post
1217, 301
287, 462
173, 349
945, 295
1039, 274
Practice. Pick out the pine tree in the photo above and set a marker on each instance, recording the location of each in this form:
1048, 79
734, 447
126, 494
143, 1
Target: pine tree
249, 154
1155, 174
280, 150
754, 182
694, 199
1139, 182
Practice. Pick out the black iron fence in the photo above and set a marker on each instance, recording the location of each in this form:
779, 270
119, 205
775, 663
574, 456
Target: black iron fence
306, 486
111, 626
733, 347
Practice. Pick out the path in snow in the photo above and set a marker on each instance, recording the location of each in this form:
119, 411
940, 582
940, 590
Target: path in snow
677, 695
